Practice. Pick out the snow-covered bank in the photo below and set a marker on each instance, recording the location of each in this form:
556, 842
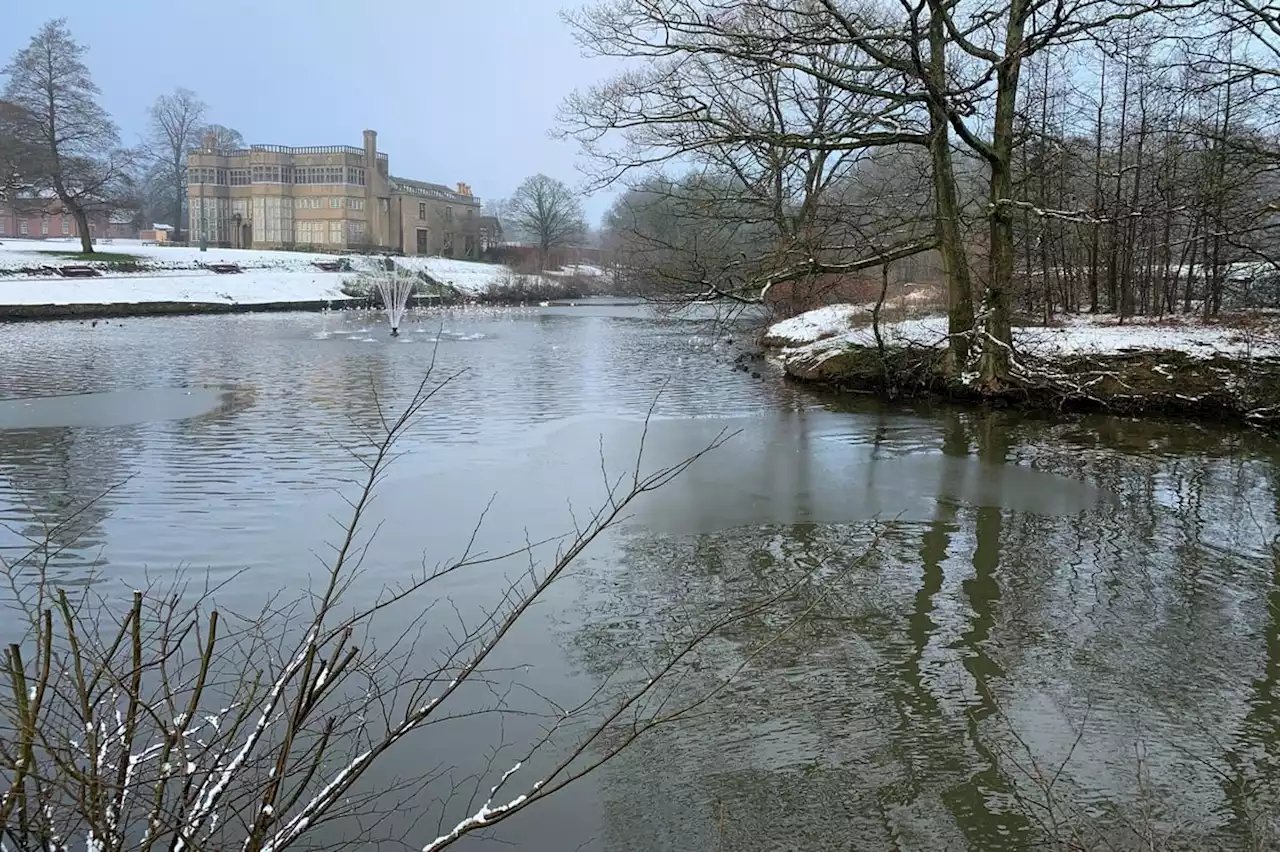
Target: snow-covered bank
22, 260
830, 329
1226, 370
245, 289
820, 324
20, 254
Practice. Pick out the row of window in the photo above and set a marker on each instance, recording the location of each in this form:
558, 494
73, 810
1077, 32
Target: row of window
314, 233
333, 202
24, 227
273, 224
276, 174
448, 213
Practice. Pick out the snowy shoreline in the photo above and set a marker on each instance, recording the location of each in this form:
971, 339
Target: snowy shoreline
159, 279
1176, 365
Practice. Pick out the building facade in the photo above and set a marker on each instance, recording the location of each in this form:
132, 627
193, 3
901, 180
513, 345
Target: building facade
329, 198
45, 219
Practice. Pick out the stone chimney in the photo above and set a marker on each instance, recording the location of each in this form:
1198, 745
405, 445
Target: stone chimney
464, 190
375, 190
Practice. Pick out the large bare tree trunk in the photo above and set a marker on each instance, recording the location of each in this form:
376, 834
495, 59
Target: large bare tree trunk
955, 262
82, 222
998, 347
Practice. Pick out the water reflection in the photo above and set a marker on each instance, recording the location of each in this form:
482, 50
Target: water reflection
988, 585
967, 662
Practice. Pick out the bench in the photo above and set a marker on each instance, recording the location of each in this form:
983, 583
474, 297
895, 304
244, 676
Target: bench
78, 271
328, 265
225, 268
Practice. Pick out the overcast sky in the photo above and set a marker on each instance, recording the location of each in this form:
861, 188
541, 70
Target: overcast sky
458, 90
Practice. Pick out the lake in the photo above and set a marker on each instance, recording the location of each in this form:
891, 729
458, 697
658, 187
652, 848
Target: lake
1009, 621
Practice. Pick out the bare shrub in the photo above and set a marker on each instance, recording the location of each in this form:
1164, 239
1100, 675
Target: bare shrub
513, 288
167, 721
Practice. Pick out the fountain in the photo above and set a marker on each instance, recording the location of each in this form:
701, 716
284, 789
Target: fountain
395, 288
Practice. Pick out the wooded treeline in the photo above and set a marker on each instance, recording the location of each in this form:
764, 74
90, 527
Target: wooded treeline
1095, 155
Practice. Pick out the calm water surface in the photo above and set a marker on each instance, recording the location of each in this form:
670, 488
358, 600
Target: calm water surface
999, 599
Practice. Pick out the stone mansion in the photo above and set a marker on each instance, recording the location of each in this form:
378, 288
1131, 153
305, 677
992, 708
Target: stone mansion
328, 198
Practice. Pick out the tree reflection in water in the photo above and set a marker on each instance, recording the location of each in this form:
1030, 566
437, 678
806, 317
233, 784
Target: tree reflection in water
978, 676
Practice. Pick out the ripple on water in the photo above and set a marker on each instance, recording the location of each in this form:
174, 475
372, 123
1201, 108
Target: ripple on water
967, 571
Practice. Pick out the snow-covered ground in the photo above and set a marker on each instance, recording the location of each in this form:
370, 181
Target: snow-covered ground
468, 278
815, 325
16, 254
175, 274
827, 330
250, 288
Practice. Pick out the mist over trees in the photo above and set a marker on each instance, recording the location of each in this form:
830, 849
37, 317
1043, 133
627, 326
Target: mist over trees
1105, 155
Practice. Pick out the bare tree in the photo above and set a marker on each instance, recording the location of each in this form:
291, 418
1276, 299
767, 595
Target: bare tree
75, 143
549, 212
176, 124
779, 129
224, 138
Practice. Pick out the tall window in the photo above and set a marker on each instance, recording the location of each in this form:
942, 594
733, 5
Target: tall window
422, 211
310, 233
272, 220
335, 233
44, 226
1, 226
448, 214
66, 226
23, 227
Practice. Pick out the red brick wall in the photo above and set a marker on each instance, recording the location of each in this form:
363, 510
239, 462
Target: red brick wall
52, 221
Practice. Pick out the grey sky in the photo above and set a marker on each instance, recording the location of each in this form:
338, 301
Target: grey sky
458, 90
